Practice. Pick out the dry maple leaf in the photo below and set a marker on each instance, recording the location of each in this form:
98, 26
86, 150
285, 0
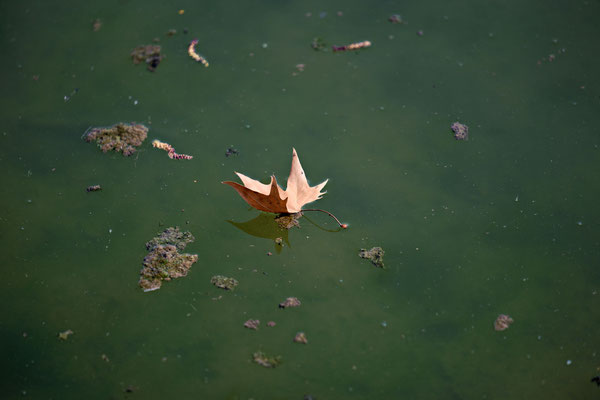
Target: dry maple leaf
272, 198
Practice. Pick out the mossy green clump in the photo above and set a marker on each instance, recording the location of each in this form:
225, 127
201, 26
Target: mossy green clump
164, 262
172, 236
268, 362
224, 282
375, 255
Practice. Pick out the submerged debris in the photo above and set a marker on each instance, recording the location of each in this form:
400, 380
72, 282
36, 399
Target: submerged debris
288, 221
318, 44
150, 54
300, 338
65, 335
461, 132
596, 379
93, 188
268, 362
121, 137
375, 255
224, 282
231, 152
502, 322
96, 24
290, 302
164, 262
252, 324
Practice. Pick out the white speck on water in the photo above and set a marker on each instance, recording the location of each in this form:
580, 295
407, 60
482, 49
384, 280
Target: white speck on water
579, 223
384, 324
569, 362
110, 231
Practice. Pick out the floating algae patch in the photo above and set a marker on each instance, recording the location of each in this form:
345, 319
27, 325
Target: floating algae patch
268, 362
164, 262
224, 282
121, 137
375, 255
172, 236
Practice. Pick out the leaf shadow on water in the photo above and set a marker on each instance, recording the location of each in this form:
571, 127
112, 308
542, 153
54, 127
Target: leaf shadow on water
264, 226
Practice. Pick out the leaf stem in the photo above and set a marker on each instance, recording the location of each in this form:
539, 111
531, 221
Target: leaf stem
343, 226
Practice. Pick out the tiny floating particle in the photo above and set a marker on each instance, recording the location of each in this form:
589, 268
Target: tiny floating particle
170, 150
290, 302
93, 188
461, 132
300, 338
224, 282
105, 357
502, 322
194, 55
352, 46
375, 255
395, 19
268, 362
252, 324
271, 324
96, 24
65, 335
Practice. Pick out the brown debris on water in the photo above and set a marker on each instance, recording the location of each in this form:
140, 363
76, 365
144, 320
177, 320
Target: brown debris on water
224, 282
502, 322
163, 261
461, 131
150, 54
252, 324
268, 362
290, 302
375, 255
121, 137
300, 338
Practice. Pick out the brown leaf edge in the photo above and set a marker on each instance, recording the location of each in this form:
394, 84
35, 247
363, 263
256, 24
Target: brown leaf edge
271, 203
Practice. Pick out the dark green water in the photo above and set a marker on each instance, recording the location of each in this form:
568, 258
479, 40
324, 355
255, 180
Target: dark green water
506, 222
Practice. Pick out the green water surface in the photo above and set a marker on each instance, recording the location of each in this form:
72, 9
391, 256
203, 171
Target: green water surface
504, 223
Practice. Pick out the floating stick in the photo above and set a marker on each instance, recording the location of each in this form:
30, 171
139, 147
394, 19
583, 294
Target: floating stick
353, 46
194, 55
170, 150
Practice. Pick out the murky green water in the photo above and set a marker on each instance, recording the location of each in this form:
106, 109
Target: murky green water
506, 222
